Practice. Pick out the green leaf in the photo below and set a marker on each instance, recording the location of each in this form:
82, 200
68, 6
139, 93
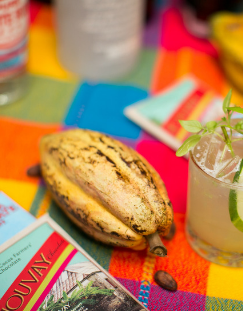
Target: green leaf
192, 126
42, 305
224, 119
65, 296
226, 101
239, 125
74, 293
211, 125
80, 285
89, 285
50, 300
189, 143
89, 302
106, 292
236, 109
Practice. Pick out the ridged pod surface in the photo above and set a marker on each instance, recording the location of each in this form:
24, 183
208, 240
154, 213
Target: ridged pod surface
110, 191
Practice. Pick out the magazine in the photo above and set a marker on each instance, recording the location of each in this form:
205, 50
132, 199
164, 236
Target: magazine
187, 99
13, 218
44, 269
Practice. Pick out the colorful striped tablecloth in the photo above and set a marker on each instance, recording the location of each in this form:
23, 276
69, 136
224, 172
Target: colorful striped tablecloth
56, 99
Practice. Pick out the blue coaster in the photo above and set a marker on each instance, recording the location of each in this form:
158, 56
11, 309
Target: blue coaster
99, 107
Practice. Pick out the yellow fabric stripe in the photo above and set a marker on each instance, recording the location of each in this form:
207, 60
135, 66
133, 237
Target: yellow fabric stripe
49, 276
42, 59
15, 189
148, 268
225, 282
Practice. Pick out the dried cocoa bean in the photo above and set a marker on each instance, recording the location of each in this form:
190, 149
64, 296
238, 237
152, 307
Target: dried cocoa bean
34, 171
171, 233
165, 280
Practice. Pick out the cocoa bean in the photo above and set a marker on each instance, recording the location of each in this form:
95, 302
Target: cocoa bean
165, 280
171, 233
34, 171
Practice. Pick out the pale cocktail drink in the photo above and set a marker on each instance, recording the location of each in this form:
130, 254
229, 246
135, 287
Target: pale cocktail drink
212, 195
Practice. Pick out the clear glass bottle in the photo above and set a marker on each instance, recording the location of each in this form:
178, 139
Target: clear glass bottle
14, 21
99, 39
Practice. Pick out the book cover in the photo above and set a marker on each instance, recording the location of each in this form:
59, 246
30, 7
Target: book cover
13, 218
187, 99
44, 269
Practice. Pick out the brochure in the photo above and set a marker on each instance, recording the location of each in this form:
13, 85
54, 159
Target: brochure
187, 99
13, 218
43, 268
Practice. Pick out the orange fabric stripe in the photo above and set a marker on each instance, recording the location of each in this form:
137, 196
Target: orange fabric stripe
207, 69
22, 149
184, 57
45, 17
171, 65
123, 261
165, 70
189, 269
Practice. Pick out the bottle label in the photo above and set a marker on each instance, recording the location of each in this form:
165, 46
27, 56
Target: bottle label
14, 20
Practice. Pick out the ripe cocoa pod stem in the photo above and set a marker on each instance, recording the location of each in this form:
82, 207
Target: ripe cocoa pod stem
156, 245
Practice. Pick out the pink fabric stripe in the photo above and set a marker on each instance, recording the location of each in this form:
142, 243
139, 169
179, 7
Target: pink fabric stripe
175, 35
34, 9
53, 281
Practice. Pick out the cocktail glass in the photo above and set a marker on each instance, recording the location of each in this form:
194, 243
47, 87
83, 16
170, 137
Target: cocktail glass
209, 228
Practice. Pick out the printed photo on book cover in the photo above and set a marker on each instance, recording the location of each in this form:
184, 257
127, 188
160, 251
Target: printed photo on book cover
83, 287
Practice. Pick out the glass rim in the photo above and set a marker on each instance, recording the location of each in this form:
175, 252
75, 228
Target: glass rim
227, 185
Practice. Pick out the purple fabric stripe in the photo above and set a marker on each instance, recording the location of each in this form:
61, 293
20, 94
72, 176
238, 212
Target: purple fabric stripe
129, 142
146, 136
160, 299
132, 286
151, 34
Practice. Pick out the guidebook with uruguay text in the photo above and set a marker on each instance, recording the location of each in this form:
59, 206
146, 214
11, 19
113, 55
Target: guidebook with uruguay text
187, 99
42, 268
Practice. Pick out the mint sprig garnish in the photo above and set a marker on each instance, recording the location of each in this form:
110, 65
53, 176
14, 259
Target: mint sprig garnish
192, 126
226, 102
199, 130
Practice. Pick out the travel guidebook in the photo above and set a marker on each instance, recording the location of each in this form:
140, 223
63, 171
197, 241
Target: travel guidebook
187, 99
44, 269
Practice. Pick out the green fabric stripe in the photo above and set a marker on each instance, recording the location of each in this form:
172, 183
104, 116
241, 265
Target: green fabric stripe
141, 75
46, 100
218, 304
37, 200
100, 252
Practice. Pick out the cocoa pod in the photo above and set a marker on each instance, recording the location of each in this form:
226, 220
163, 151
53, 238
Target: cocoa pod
106, 188
165, 280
